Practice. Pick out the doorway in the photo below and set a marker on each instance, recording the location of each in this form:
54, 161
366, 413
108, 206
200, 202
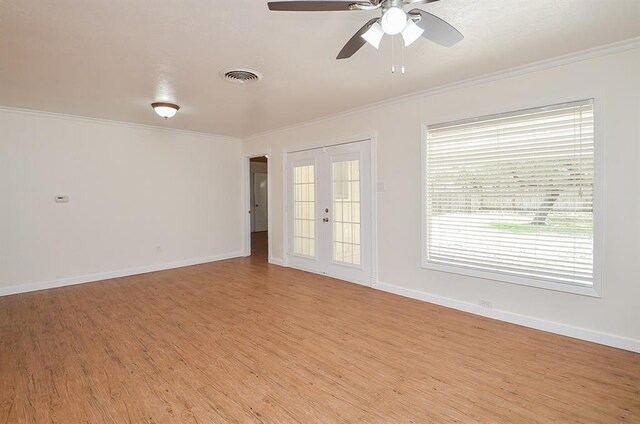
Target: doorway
329, 223
259, 207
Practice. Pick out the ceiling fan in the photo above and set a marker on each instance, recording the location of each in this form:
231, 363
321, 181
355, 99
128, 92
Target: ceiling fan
394, 20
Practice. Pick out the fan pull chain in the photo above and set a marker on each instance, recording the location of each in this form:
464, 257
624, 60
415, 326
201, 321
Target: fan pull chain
393, 61
393, 56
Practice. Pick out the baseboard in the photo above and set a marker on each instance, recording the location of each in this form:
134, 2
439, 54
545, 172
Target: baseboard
24, 288
276, 261
612, 340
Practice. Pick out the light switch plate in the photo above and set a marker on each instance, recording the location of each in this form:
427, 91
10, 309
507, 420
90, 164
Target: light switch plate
62, 198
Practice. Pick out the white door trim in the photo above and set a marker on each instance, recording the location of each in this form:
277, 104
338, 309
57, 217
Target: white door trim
370, 136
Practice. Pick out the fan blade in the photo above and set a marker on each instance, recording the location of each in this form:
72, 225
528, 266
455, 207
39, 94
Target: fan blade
419, 1
356, 42
436, 29
310, 6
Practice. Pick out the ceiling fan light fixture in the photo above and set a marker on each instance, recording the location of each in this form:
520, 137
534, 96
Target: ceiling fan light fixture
374, 35
411, 33
394, 20
165, 110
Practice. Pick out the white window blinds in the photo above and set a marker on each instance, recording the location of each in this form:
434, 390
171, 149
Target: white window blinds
513, 193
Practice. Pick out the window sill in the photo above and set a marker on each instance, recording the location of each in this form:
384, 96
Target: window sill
512, 279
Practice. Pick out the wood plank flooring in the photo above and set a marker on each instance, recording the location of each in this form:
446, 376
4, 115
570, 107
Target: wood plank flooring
244, 341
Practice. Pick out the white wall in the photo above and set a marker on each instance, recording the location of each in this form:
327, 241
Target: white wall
131, 188
611, 78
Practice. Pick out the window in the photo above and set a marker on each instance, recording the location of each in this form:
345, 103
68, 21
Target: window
304, 231
346, 207
510, 197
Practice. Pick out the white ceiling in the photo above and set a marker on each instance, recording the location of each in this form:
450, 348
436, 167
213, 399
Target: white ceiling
111, 59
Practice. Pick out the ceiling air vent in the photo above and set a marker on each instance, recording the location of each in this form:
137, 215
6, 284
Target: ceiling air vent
241, 75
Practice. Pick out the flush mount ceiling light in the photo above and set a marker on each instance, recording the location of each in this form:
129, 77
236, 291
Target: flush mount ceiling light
394, 20
166, 110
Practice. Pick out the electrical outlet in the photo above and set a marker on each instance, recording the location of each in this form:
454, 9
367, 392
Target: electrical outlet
486, 303
158, 249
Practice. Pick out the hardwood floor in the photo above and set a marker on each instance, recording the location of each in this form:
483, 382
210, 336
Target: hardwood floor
243, 341
259, 245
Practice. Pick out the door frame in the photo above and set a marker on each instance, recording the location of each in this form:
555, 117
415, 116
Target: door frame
371, 137
246, 166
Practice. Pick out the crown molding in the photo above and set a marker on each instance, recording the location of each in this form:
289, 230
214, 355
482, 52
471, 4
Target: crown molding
591, 53
109, 122
604, 50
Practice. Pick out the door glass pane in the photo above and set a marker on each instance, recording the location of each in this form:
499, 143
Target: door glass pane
346, 211
304, 231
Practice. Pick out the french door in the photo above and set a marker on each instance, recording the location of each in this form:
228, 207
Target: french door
329, 211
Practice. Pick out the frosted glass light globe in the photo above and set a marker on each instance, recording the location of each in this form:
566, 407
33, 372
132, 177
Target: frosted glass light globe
393, 21
411, 32
166, 110
374, 35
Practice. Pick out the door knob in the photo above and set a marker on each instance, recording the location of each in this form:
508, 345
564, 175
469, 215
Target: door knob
325, 219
